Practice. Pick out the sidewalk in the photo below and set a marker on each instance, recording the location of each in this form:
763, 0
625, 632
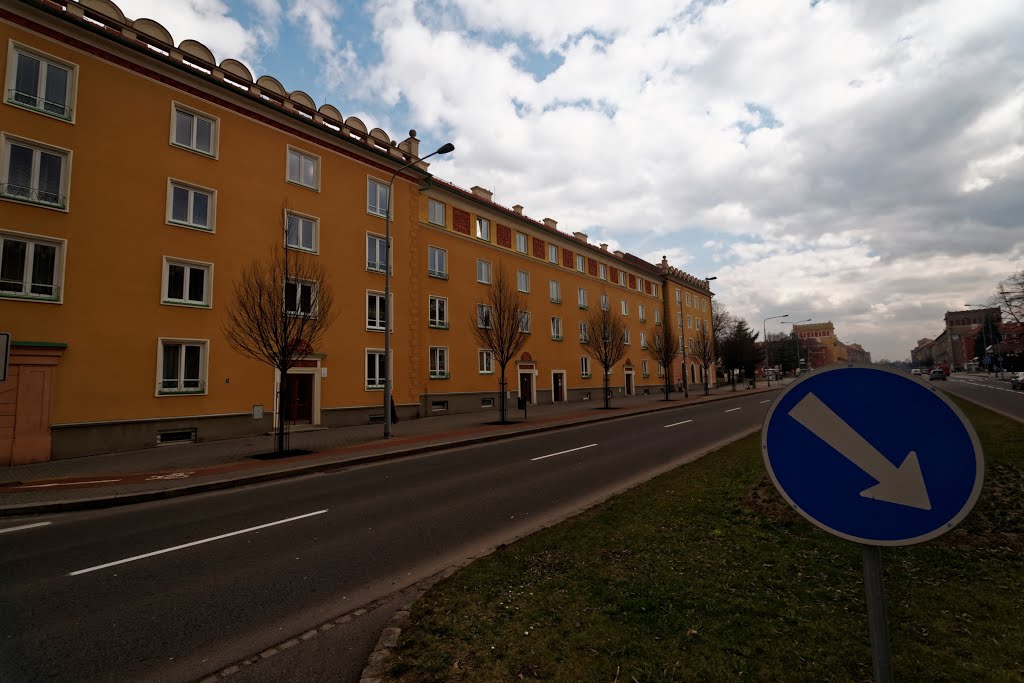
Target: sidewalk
169, 471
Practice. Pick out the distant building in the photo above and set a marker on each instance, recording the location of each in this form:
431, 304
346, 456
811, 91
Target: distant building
962, 328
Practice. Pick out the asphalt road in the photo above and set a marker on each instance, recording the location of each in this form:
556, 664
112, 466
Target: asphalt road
988, 391
177, 590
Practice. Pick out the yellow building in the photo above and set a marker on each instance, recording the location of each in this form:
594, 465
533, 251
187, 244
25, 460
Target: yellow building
139, 176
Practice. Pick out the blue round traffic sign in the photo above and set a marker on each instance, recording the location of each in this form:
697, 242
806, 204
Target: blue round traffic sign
872, 455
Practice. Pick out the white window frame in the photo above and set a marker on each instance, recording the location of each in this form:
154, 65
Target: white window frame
483, 229
196, 114
440, 321
553, 254
644, 368
204, 365
605, 305
485, 361
437, 256
433, 207
377, 385
380, 244
642, 312
523, 281
556, 328
623, 280
657, 316
71, 91
301, 153
584, 332
643, 339
165, 298
484, 311
661, 369
37, 148
438, 362
602, 271
313, 297
379, 296
688, 300
581, 298
483, 271
315, 227
192, 189
704, 305
679, 320
585, 366
626, 338
655, 292
374, 189
689, 322
625, 307
555, 291
526, 322
58, 267
640, 285
679, 296
581, 264
522, 243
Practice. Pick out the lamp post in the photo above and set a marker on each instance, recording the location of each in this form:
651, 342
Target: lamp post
707, 285
443, 149
984, 336
682, 339
796, 339
764, 329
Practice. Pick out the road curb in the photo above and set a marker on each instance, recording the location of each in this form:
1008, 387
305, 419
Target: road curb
100, 502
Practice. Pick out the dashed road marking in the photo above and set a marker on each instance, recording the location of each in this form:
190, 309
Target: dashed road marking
732, 409
24, 526
551, 455
676, 424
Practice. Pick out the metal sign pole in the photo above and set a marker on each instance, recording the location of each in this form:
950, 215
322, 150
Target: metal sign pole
878, 621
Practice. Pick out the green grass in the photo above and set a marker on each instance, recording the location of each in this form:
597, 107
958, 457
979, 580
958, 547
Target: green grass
705, 574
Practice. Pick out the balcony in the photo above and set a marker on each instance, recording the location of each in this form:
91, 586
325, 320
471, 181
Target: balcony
438, 274
35, 103
32, 195
557, 337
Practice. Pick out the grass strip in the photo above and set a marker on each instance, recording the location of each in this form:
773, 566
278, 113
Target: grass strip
705, 574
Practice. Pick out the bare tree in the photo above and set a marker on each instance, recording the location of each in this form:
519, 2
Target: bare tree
498, 325
606, 342
704, 352
281, 308
664, 348
722, 323
1010, 297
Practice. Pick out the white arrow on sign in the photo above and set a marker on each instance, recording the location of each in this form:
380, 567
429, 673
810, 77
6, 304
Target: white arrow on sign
903, 485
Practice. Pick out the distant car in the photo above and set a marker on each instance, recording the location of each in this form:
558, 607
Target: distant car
1017, 380
915, 371
935, 374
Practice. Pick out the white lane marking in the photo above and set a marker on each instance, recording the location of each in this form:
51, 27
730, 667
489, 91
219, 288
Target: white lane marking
766, 401
676, 424
563, 452
24, 526
189, 545
732, 409
67, 483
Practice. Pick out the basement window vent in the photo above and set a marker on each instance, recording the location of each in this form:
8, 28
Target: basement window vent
586, 396
438, 405
377, 419
487, 403
175, 436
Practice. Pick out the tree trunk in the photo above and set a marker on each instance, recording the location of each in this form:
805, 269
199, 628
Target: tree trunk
668, 386
501, 399
607, 397
282, 394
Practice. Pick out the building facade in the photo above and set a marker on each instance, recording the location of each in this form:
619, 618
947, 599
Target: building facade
140, 176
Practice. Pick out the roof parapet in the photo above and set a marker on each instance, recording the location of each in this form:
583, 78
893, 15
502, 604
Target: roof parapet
478, 191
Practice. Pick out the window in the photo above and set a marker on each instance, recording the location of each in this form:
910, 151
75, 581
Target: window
190, 206
525, 322
186, 282
704, 305
375, 311
376, 253
552, 254
182, 367
661, 370
438, 308
581, 298
193, 130
625, 307
679, 320
437, 265
35, 173
300, 298
485, 362
302, 231
439, 362
436, 212
374, 369
555, 291
625, 336
602, 270
689, 322
679, 295
556, 329
705, 326
376, 198
30, 267
40, 82
657, 316
604, 302
655, 292
483, 229
687, 299
640, 284
643, 340
682, 346
581, 263
642, 313
521, 242
523, 281
483, 271
691, 346
303, 169
585, 366
584, 337
622, 278
484, 315
644, 369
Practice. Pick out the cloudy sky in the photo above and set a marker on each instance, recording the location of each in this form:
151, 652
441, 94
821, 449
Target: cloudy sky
860, 162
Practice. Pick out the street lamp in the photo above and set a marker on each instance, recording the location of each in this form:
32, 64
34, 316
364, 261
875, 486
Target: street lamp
764, 329
984, 336
443, 149
795, 338
707, 380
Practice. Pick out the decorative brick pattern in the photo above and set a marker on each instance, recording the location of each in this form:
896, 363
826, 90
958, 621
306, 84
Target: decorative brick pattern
592, 266
647, 287
613, 275
568, 258
460, 221
504, 236
538, 248
632, 281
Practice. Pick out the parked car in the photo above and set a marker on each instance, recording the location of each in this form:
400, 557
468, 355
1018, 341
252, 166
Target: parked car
1017, 380
937, 373
915, 371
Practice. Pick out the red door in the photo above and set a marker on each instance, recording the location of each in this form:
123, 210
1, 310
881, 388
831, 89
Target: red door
299, 407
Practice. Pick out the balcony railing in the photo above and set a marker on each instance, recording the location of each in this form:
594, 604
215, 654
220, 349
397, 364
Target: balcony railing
438, 325
557, 337
556, 300
33, 195
375, 266
23, 99
17, 289
435, 374
438, 274
583, 307
180, 386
